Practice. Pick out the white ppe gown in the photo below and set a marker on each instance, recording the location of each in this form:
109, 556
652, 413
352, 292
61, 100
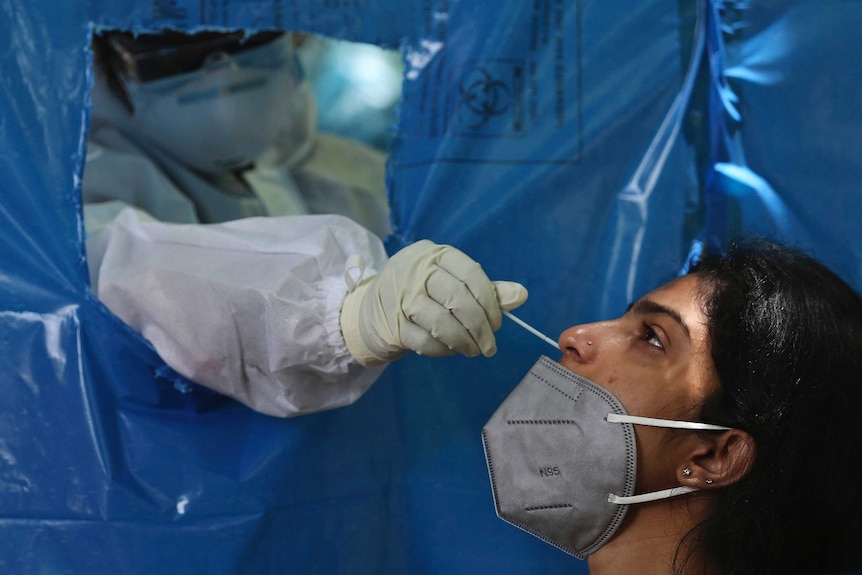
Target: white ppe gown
249, 308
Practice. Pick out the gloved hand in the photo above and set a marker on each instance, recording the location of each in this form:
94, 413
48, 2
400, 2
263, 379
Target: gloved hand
431, 299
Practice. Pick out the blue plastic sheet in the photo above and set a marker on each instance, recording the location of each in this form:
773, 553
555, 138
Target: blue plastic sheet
582, 148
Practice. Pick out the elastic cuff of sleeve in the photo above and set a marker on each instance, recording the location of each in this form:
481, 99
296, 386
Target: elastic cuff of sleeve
331, 291
350, 329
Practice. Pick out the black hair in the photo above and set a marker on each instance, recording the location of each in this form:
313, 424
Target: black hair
786, 341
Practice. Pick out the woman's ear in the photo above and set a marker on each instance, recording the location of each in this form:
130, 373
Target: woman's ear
719, 460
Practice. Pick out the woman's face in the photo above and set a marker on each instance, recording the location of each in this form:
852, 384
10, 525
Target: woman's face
656, 360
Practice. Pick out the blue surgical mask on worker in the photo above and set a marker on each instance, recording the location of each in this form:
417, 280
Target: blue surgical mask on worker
562, 459
225, 114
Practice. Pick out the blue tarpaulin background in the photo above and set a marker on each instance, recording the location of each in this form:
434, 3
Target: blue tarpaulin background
583, 148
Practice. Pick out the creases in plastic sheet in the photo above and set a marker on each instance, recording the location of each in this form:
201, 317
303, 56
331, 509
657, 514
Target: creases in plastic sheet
645, 178
760, 57
714, 29
724, 121
40, 121
43, 401
740, 201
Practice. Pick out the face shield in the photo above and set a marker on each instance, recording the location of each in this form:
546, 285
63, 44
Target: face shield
150, 57
214, 102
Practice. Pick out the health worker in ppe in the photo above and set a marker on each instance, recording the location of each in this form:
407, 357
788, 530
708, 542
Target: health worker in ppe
212, 127
199, 240
711, 429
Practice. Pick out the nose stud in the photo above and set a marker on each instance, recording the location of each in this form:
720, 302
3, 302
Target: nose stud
589, 343
686, 471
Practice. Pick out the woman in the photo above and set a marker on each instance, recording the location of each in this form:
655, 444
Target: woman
763, 343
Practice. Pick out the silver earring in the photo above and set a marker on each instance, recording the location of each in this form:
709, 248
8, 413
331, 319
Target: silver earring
686, 471
709, 481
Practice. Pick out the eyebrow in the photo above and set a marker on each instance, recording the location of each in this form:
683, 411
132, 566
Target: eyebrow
647, 306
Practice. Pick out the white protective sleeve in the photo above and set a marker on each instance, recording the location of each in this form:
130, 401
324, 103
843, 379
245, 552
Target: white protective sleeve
249, 308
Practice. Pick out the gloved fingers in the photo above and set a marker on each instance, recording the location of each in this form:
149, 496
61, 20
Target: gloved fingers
445, 327
510, 294
418, 339
456, 297
470, 273
415, 251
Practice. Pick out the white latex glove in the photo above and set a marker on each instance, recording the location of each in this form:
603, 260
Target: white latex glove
432, 299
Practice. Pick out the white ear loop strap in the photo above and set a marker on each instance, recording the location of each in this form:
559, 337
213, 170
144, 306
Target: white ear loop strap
654, 422
651, 496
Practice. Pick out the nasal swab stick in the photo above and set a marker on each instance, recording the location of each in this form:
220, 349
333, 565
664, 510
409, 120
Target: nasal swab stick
532, 330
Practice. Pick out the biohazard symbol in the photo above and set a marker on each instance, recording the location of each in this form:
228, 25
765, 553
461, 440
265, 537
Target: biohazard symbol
481, 98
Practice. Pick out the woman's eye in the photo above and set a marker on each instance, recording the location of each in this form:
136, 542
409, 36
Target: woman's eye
652, 338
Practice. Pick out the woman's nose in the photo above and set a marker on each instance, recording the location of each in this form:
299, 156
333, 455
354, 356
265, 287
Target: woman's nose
580, 343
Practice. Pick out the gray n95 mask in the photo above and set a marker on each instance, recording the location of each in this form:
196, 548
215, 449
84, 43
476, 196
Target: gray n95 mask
562, 460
